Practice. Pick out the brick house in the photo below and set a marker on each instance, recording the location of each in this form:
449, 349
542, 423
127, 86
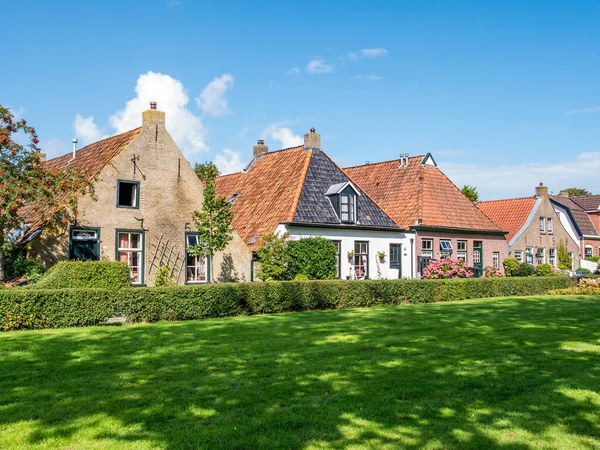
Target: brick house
419, 197
578, 224
591, 205
534, 227
301, 191
146, 192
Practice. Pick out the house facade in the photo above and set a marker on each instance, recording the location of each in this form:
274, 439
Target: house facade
591, 206
417, 195
146, 192
534, 228
302, 192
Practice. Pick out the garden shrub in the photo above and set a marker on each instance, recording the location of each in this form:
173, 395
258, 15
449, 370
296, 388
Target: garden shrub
314, 257
592, 258
55, 308
585, 286
16, 264
544, 270
524, 270
164, 277
564, 259
492, 272
85, 275
511, 265
272, 258
583, 271
447, 268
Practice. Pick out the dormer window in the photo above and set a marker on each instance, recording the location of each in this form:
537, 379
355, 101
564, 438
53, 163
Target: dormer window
343, 197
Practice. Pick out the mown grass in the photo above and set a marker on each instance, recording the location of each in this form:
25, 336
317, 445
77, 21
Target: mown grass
510, 373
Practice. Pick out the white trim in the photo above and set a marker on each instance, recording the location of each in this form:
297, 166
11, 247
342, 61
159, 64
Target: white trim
339, 187
536, 206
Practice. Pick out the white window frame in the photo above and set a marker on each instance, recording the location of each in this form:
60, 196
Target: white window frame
427, 250
195, 266
461, 250
552, 257
348, 216
519, 255
529, 256
540, 255
590, 248
542, 224
550, 225
129, 251
361, 259
496, 260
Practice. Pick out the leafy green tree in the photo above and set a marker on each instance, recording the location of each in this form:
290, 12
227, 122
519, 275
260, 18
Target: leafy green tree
470, 192
564, 259
26, 186
213, 222
314, 257
575, 192
273, 259
206, 171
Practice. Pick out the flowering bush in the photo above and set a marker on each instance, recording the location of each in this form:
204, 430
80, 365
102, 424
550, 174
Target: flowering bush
447, 268
586, 286
491, 272
588, 282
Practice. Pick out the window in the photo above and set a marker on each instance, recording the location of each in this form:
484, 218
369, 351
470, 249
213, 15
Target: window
196, 267
395, 255
529, 254
347, 208
540, 255
85, 244
589, 250
461, 250
128, 194
552, 257
519, 255
361, 259
445, 248
550, 225
427, 248
496, 260
130, 250
338, 247
542, 224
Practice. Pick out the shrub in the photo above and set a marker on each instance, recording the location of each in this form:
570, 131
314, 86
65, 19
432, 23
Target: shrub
524, 270
446, 268
586, 286
544, 270
492, 272
511, 265
583, 271
301, 277
272, 258
164, 277
45, 308
564, 260
16, 264
85, 275
314, 257
592, 258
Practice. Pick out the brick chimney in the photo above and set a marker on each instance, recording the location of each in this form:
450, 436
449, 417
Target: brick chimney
152, 117
260, 148
312, 140
42, 157
541, 190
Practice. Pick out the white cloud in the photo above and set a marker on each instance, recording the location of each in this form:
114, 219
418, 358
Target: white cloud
318, 66
212, 99
367, 77
229, 161
86, 130
53, 148
373, 52
520, 179
17, 113
593, 109
282, 134
293, 71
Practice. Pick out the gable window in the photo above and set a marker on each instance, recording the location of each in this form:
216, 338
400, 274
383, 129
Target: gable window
540, 255
128, 194
361, 259
395, 255
347, 208
496, 260
550, 225
542, 224
427, 248
552, 257
343, 198
130, 250
338, 252
589, 250
196, 267
529, 255
519, 255
461, 250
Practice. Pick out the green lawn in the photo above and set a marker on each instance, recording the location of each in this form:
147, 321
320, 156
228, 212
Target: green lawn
512, 372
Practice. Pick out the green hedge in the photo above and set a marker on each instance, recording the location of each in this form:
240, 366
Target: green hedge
32, 308
85, 275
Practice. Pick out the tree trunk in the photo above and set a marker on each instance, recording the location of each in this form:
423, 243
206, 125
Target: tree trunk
1, 264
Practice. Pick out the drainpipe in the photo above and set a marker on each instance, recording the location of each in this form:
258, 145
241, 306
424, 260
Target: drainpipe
412, 257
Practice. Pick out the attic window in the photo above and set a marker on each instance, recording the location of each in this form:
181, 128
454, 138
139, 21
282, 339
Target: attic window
233, 197
128, 194
347, 208
343, 197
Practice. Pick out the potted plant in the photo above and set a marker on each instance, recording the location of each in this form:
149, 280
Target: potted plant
381, 256
350, 255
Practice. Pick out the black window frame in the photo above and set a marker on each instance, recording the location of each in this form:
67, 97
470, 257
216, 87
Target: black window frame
397, 263
137, 194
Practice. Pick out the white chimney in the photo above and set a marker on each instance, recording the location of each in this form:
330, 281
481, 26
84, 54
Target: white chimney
74, 147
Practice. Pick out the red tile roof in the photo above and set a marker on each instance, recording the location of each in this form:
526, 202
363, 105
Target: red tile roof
418, 191
509, 214
90, 160
268, 192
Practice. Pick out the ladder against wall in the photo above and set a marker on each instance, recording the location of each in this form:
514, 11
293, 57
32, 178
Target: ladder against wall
166, 254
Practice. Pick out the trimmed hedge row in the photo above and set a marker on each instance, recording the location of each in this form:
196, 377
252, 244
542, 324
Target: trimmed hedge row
85, 275
46, 308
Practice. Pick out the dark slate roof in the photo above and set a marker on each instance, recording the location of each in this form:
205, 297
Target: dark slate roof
578, 214
588, 202
314, 206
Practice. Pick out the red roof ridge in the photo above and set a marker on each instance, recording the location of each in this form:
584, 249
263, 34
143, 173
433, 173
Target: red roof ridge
506, 199
384, 162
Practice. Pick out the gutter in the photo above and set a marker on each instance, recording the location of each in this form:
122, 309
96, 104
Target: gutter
344, 227
458, 230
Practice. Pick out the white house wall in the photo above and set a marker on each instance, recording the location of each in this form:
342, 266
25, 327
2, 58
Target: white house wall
378, 241
567, 224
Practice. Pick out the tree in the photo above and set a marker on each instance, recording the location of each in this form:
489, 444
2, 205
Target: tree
273, 259
213, 222
470, 192
315, 258
575, 192
206, 171
26, 187
564, 259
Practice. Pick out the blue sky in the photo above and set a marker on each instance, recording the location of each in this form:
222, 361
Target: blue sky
503, 94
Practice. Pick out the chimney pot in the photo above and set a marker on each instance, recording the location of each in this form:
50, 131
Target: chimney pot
312, 140
152, 105
260, 148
